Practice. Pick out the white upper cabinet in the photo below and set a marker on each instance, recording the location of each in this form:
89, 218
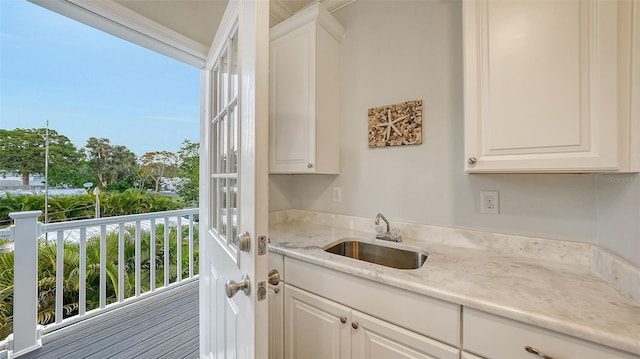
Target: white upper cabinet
304, 93
548, 86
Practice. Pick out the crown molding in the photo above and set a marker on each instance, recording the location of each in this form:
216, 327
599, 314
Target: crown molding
313, 12
280, 12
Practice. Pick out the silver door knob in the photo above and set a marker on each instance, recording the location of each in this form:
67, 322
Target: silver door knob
243, 241
472, 160
232, 287
274, 277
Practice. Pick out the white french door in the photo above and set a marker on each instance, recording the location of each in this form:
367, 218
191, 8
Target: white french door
234, 186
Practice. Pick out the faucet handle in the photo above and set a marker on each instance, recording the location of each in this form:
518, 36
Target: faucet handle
380, 230
395, 234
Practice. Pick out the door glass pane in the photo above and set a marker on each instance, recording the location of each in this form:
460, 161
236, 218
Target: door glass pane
222, 207
213, 214
214, 150
233, 61
233, 141
222, 145
215, 103
224, 62
233, 206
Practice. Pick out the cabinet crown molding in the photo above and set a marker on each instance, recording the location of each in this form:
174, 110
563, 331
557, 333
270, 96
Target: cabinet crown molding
315, 12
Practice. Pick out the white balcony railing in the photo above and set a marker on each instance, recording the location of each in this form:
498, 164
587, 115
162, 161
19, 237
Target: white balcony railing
137, 255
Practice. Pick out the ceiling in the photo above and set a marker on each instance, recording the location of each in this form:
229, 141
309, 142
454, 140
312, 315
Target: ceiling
199, 19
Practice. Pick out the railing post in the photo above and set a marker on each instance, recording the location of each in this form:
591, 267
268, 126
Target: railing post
26, 336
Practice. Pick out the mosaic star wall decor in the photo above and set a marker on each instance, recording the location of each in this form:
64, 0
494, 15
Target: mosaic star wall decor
396, 125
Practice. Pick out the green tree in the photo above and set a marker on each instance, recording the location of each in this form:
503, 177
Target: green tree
23, 151
189, 171
71, 177
108, 163
156, 165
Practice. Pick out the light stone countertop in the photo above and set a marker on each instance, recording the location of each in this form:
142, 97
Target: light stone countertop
567, 298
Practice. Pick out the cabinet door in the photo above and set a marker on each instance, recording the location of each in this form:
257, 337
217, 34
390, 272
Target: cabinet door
314, 327
541, 89
276, 321
293, 96
373, 338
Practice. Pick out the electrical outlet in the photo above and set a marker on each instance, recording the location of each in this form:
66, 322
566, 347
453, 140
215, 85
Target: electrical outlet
490, 202
337, 194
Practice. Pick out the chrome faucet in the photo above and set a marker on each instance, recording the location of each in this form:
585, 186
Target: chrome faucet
388, 235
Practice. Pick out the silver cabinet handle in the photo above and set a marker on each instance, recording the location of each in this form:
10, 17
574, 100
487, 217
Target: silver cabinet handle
232, 287
309, 165
343, 320
535, 351
472, 160
355, 325
274, 277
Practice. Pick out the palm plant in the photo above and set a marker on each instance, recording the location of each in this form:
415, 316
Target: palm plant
6, 294
63, 208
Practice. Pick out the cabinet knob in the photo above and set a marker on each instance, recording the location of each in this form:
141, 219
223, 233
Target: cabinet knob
309, 165
355, 325
343, 320
472, 160
276, 290
535, 351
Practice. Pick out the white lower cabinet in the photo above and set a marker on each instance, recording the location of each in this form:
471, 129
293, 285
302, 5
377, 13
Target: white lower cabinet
496, 337
316, 327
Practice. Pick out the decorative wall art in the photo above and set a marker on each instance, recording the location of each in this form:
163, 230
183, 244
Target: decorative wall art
396, 125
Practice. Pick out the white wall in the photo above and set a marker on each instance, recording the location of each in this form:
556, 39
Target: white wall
405, 50
618, 214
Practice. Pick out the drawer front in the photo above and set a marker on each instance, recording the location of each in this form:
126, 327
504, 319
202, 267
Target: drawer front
431, 317
496, 337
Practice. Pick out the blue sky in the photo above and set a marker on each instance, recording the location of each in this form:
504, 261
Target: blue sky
88, 83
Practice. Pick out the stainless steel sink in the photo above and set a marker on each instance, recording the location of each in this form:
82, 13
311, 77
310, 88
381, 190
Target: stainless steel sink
383, 255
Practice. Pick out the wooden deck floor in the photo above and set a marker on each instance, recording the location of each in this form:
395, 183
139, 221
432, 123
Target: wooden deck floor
162, 326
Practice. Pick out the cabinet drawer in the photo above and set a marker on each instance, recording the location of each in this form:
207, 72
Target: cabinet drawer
424, 315
492, 336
